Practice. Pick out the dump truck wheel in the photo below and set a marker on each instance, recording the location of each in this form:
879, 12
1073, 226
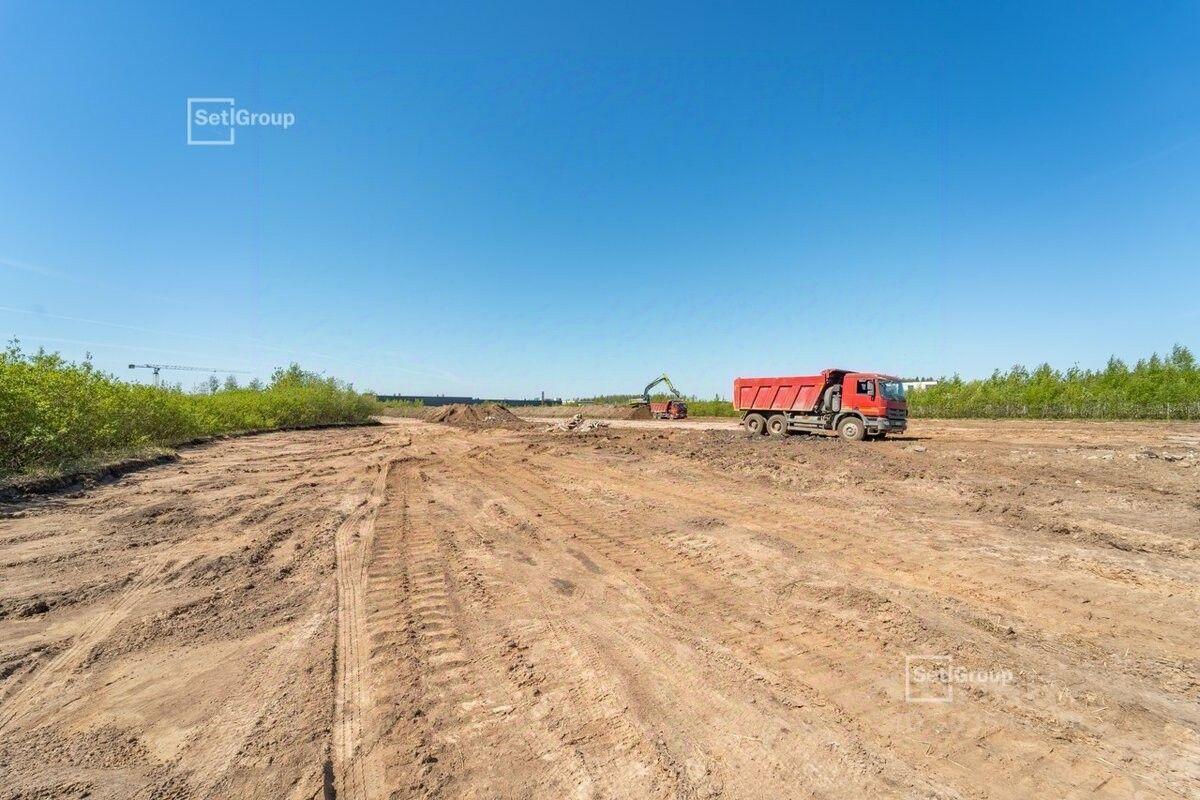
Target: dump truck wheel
852, 429
755, 423
777, 425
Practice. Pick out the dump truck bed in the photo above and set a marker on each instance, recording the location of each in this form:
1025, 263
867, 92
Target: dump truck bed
788, 393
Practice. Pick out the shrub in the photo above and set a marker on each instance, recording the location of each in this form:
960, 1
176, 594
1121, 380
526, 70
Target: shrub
711, 408
402, 408
1157, 387
55, 413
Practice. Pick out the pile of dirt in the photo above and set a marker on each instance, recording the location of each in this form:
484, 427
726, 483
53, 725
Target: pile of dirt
633, 412
483, 414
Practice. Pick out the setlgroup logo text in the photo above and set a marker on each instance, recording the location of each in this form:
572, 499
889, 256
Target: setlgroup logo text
216, 120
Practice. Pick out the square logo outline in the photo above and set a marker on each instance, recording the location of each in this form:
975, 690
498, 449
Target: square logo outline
232, 132
939, 660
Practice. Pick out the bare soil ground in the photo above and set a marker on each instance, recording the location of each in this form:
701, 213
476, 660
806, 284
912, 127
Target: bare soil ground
422, 610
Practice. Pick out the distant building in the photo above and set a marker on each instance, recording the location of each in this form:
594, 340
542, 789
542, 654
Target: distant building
535, 401
425, 399
910, 385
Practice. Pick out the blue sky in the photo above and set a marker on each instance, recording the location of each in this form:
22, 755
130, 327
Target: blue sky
503, 199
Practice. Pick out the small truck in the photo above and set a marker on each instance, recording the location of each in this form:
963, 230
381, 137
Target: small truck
858, 405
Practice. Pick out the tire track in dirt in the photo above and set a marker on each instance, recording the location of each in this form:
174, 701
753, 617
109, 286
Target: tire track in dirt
470, 712
358, 778
420, 660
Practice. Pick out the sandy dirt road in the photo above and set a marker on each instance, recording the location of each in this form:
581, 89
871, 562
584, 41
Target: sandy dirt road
419, 610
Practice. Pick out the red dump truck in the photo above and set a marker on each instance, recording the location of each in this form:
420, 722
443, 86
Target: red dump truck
858, 405
669, 409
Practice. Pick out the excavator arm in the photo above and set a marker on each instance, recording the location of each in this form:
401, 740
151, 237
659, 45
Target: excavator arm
660, 379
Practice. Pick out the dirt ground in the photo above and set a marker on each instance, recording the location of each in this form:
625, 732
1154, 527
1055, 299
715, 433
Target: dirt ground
423, 610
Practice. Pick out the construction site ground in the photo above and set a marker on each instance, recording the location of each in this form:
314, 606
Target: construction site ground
647, 610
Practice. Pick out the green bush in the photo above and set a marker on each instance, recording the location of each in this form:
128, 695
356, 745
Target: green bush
1154, 388
55, 413
711, 408
402, 408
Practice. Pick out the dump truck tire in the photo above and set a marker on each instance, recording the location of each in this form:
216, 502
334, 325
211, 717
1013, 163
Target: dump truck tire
777, 425
755, 423
852, 429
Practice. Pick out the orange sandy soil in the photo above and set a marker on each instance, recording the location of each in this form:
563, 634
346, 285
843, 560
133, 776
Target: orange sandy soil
663, 610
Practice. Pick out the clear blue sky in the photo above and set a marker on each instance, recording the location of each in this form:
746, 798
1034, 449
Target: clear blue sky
497, 200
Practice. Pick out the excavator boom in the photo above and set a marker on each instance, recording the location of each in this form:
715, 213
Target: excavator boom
660, 379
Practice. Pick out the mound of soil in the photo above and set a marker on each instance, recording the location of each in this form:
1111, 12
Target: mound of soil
484, 414
634, 412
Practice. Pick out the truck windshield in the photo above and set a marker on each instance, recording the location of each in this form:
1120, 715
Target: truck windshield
892, 390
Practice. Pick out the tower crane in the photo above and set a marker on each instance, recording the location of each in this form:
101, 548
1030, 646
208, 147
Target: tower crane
178, 367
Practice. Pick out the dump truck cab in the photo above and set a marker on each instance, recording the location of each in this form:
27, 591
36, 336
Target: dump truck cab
858, 405
875, 399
